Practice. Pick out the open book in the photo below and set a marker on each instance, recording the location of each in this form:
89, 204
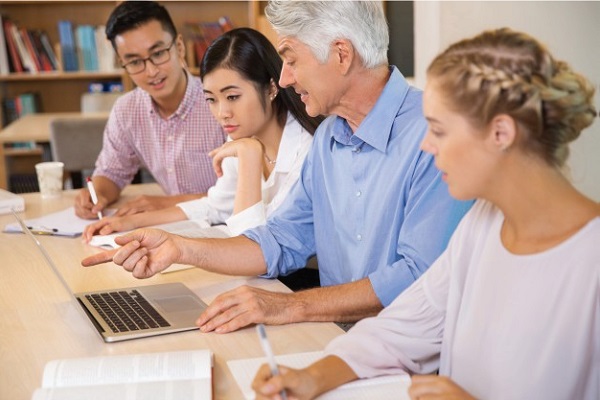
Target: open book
167, 375
384, 387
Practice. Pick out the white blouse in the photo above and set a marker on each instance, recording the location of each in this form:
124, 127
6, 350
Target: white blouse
502, 326
217, 207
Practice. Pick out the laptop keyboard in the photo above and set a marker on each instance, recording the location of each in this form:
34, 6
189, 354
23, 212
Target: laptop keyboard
126, 311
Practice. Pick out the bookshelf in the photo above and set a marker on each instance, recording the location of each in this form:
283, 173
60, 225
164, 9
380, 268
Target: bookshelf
61, 91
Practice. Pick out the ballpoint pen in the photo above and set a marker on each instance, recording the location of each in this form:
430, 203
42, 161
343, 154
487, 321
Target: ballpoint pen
93, 195
42, 230
264, 341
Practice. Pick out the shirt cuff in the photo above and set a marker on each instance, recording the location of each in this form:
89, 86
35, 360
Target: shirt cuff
251, 217
194, 209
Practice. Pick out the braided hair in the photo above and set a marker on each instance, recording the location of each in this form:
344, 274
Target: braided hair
507, 72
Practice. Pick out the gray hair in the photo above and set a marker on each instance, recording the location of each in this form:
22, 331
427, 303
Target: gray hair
318, 23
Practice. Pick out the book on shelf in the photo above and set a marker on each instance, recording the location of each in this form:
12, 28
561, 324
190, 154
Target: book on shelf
15, 107
4, 56
9, 111
28, 103
106, 54
31, 50
48, 50
383, 387
226, 24
47, 60
165, 375
85, 36
199, 36
68, 46
14, 59
26, 59
26, 50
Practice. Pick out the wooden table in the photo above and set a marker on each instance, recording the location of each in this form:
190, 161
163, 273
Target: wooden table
32, 128
39, 323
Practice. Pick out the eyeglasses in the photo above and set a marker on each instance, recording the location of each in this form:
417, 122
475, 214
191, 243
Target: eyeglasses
158, 57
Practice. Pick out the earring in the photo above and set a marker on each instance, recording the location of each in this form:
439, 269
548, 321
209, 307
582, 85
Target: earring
273, 96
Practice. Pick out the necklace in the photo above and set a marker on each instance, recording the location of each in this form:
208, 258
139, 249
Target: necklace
271, 162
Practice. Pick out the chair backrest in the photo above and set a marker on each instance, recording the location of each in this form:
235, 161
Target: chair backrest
77, 141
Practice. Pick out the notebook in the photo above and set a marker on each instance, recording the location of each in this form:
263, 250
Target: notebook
61, 223
383, 387
134, 312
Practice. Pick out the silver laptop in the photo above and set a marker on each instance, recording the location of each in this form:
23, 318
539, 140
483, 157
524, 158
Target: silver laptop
134, 312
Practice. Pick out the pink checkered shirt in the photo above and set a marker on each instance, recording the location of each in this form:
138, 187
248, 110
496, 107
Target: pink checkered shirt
175, 150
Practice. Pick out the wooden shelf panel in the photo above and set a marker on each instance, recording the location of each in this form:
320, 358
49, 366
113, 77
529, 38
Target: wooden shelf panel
17, 152
60, 75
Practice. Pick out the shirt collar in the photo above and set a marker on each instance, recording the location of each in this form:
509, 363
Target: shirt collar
193, 91
376, 128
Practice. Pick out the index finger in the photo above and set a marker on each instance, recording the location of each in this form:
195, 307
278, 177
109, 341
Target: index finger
90, 229
220, 304
100, 258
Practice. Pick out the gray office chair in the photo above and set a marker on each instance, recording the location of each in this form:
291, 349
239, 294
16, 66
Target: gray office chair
77, 142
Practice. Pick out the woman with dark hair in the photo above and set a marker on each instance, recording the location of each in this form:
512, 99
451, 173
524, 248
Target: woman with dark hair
270, 134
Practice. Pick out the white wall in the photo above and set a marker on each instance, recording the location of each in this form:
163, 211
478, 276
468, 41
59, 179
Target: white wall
570, 29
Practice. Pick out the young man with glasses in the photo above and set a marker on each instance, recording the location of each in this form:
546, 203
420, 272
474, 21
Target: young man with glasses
163, 125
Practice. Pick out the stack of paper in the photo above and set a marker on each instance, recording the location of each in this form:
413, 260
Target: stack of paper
10, 201
383, 387
62, 223
186, 228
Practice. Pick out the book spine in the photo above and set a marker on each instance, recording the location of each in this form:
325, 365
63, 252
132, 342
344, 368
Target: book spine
28, 63
68, 47
10, 110
48, 50
15, 60
91, 43
33, 54
4, 68
106, 53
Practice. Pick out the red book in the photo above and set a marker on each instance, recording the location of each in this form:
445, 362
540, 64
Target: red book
15, 60
30, 49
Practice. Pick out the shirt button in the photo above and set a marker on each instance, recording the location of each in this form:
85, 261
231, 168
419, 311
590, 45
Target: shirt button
358, 193
359, 237
170, 170
357, 150
169, 138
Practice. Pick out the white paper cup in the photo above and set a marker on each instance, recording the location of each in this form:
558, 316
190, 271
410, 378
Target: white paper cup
50, 178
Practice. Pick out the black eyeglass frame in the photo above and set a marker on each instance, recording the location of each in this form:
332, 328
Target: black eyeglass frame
149, 58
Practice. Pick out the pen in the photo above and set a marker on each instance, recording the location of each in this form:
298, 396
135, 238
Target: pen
43, 231
264, 341
93, 195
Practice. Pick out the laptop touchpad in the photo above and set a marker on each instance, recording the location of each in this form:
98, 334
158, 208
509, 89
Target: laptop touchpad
179, 303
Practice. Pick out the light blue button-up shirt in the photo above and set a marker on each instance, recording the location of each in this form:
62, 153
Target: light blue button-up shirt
369, 204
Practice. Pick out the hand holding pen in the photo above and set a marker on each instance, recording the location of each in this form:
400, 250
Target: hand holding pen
264, 341
93, 195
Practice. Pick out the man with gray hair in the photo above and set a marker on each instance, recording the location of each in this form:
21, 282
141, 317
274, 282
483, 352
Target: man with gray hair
369, 203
